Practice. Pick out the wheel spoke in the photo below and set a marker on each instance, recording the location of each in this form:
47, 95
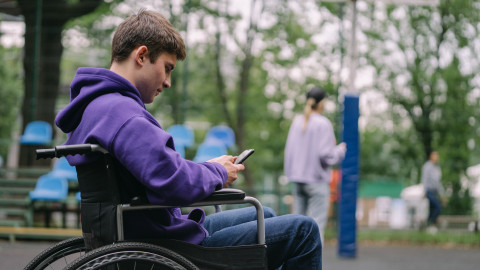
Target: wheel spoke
58, 255
134, 256
65, 259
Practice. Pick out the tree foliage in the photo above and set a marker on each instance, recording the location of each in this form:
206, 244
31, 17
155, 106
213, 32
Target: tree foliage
10, 94
44, 22
426, 63
43, 50
249, 67
250, 72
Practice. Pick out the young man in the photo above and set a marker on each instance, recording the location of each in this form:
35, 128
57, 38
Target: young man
107, 108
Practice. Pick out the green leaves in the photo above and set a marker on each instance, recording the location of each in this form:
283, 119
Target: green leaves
439, 67
10, 95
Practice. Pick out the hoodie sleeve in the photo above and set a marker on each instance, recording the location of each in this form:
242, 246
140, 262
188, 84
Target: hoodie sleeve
147, 150
330, 154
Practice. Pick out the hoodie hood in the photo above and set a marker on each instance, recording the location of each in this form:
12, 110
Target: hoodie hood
88, 84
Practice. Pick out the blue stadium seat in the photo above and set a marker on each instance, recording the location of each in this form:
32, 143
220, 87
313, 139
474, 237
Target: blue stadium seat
180, 149
182, 135
221, 133
208, 151
78, 197
37, 133
50, 188
63, 169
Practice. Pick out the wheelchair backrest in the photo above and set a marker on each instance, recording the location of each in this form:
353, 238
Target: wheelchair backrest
99, 197
104, 184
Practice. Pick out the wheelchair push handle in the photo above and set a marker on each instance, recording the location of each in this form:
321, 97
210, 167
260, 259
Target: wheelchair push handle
45, 153
66, 150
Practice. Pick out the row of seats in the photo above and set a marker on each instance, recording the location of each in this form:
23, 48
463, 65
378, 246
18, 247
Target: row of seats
216, 143
54, 187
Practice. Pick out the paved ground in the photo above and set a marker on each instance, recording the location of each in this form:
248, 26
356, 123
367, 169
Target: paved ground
394, 257
370, 257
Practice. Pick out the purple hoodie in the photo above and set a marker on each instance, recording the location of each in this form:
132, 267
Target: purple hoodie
106, 109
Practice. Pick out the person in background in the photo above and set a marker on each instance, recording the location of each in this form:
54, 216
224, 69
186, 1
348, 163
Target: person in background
310, 152
431, 181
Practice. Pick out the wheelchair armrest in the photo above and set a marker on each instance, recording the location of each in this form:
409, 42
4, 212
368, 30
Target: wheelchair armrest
139, 201
223, 196
226, 194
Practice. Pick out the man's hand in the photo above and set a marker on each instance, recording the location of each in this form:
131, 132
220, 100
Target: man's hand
232, 169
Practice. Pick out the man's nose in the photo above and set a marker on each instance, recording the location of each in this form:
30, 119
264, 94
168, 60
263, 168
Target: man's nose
166, 83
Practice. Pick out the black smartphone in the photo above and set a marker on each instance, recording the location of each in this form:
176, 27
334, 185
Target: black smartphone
244, 155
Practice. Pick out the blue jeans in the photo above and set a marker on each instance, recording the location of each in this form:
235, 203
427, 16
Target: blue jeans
435, 206
313, 200
293, 241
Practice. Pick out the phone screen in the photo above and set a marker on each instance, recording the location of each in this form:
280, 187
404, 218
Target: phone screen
244, 155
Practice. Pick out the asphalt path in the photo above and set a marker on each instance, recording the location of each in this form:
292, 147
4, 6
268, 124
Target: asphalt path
403, 257
369, 257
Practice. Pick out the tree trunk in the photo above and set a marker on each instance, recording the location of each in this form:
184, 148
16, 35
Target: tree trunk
243, 87
42, 71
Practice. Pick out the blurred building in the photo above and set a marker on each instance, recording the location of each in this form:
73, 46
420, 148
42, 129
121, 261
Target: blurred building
472, 181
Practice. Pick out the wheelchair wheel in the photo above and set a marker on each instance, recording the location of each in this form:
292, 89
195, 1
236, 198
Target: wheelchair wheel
131, 255
58, 255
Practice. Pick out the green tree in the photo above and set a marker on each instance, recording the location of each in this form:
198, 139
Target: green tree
44, 24
454, 145
231, 76
252, 96
10, 94
420, 56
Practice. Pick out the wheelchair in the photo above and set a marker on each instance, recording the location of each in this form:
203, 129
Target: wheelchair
107, 248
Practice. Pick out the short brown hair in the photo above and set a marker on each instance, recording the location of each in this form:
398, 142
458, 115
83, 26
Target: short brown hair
150, 29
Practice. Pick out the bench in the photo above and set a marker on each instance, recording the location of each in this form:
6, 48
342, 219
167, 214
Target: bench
459, 222
38, 233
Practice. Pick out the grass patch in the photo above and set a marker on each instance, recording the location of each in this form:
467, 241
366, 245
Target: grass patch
413, 237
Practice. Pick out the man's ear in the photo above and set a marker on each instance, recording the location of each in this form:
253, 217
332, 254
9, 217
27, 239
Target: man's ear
141, 54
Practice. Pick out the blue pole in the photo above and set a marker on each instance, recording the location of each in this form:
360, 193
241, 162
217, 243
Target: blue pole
347, 230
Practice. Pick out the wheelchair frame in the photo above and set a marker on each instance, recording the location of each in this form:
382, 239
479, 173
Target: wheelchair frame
224, 196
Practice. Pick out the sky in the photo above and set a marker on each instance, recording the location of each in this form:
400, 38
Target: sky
12, 33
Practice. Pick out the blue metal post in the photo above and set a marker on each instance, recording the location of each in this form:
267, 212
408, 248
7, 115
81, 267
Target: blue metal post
347, 230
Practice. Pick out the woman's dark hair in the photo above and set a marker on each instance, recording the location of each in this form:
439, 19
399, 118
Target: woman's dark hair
314, 96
